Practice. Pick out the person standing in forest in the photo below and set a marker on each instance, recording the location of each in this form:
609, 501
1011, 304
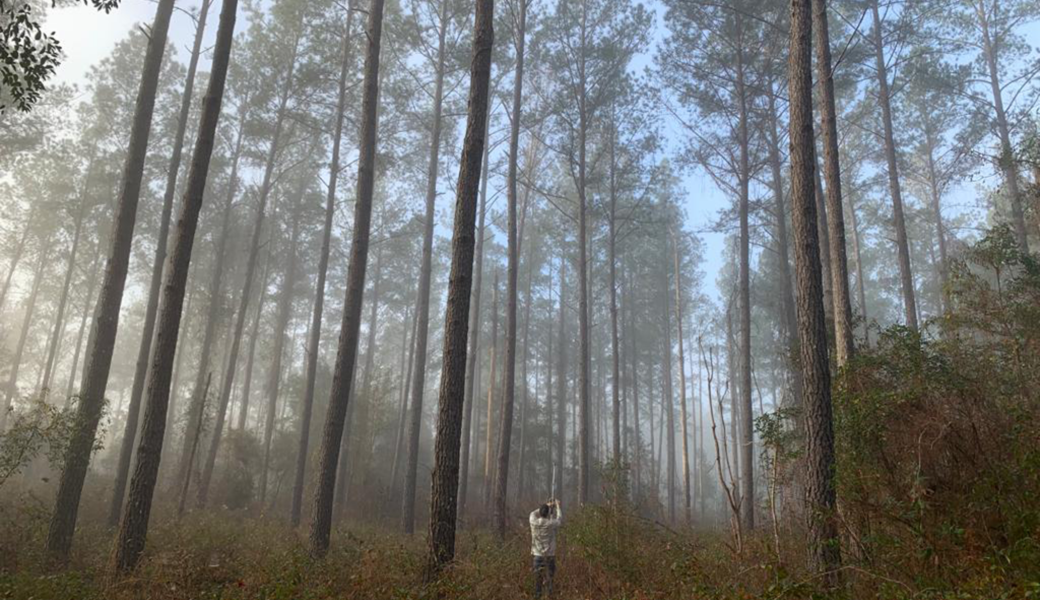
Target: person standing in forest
545, 522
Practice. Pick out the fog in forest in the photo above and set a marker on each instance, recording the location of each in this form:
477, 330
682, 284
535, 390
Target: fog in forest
305, 299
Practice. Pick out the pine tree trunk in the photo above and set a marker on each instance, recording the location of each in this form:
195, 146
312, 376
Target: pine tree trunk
247, 375
488, 431
1007, 158
782, 248
682, 386
314, 338
148, 329
525, 399
134, 527
637, 472
19, 252
561, 385
70, 268
861, 293
842, 309
402, 413
615, 364
423, 295
824, 552
88, 304
284, 313
224, 398
321, 525
473, 356
667, 396
102, 339
16, 361
747, 432
453, 379
935, 196
898, 220
512, 272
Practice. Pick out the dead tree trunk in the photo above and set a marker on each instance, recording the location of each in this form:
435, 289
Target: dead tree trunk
453, 380
346, 355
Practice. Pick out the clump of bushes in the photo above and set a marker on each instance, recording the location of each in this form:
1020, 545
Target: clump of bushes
938, 437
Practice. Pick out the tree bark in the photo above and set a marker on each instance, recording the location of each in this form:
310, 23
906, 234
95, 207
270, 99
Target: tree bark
747, 435
423, 295
473, 356
102, 339
343, 376
842, 310
134, 527
512, 272
451, 402
314, 338
898, 220
825, 557
148, 329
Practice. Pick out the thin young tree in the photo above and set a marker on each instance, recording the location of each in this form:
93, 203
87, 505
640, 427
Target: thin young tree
453, 380
133, 528
512, 271
422, 306
321, 525
314, 337
842, 299
102, 338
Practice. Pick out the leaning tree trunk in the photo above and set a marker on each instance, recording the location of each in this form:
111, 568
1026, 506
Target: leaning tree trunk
842, 310
134, 527
825, 557
314, 338
343, 376
456, 321
148, 329
898, 220
422, 306
473, 355
106, 317
512, 271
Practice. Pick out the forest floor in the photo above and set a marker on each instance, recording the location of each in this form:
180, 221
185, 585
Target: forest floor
234, 556
225, 555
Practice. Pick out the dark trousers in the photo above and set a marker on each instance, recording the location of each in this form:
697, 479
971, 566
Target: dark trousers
544, 569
